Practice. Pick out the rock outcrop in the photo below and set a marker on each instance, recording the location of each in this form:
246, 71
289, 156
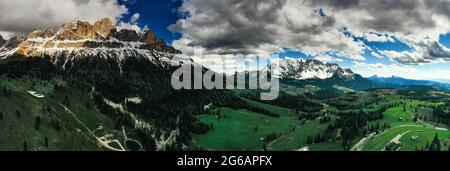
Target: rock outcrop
84, 39
2, 41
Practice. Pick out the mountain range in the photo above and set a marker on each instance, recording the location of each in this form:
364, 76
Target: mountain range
301, 73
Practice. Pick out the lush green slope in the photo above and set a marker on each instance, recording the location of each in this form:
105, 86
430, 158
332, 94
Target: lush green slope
245, 130
56, 130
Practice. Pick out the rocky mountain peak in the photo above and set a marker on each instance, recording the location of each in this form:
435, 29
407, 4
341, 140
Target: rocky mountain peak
45, 33
149, 37
81, 38
79, 31
105, 27
300, 69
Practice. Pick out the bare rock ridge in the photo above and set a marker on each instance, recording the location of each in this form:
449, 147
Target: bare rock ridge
2, 41
82, 39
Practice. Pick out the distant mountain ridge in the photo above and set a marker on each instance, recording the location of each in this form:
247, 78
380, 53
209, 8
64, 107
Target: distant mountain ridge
7, 46
399, 82
301, 73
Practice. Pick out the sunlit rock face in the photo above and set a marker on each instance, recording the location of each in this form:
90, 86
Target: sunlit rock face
82, 39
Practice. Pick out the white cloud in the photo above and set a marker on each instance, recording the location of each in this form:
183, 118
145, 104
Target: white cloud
372, 37
135, 18
328, 59
376, 55
24, 16
426, 51
383, 70
129, 26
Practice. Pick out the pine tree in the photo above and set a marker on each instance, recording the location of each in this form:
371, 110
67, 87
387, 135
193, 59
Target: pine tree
308, 140
46, 142
66, 101
436, 144
37, 123
25, 146
5, 92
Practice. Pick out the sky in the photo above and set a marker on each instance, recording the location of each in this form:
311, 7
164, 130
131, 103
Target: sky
406, 38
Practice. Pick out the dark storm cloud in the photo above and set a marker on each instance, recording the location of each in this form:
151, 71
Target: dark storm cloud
440, 6
24, 16
267, 25
334, 3
236, 24
248, 26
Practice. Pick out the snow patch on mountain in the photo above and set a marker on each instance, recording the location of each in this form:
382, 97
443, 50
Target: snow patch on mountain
301, 69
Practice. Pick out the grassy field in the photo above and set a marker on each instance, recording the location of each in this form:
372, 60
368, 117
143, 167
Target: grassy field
402, 123
275, 109
236, 131
423, 136
293, 90
297, 139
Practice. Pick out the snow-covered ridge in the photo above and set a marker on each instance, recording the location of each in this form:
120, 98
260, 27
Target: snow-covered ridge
8, 47
301, 69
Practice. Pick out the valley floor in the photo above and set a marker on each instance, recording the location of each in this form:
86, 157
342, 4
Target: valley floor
247, 130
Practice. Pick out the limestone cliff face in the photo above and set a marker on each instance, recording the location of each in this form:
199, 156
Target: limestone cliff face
149, 37
105, 27
85, 39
